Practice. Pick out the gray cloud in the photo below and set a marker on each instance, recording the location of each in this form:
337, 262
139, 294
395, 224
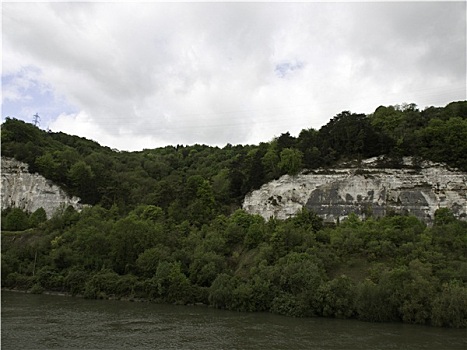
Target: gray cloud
150, 74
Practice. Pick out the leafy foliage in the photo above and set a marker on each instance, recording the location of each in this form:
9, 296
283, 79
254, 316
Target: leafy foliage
197, 178
165, 224
385, 270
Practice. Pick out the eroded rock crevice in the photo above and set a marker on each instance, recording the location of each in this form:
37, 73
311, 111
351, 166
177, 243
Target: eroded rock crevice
366, 191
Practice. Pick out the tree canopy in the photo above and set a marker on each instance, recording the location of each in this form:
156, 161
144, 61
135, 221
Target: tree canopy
161, 176
166, 225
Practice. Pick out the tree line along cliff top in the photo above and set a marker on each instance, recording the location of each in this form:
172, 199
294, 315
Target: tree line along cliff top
185, 178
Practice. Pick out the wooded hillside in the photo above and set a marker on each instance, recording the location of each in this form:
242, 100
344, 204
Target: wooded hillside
166, 225
169, 177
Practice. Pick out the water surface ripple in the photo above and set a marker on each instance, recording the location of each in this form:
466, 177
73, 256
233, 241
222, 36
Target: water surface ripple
55, 322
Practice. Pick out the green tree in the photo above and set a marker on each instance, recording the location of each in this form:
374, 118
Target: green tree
220, 186
201, 208
336, 298
16, 220
298, 277
417, 294
205, 267
308, 144
130, 237
152, 213
444, 141
371, 303
148, 260
444, 216
82, 179
37, 217
291, 161
450, 306
102, 285
173, 286
349, 135
271, 160
48, 166
221, 291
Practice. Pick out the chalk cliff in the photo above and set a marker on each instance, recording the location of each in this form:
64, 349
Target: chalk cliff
364, 190
21, 189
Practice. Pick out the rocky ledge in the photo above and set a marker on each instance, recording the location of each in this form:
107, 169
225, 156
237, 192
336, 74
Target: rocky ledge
365, 190
21, 189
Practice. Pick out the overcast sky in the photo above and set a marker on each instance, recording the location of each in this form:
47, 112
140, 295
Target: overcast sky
146, 75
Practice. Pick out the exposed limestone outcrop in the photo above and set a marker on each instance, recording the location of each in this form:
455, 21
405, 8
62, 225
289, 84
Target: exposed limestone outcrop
21, 189
364, 190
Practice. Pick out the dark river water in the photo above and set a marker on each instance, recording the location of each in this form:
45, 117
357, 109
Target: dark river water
57, 322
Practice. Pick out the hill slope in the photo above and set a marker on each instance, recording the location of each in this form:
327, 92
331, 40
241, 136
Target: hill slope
172, 177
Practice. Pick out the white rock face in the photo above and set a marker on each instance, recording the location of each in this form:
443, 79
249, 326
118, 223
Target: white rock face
334, 194
29, 192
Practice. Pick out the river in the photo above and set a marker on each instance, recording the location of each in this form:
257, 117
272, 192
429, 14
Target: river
57, 322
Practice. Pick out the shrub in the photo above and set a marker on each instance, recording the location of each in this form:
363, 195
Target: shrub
449, 309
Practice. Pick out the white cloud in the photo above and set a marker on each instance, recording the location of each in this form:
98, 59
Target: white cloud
81, 124
151, 74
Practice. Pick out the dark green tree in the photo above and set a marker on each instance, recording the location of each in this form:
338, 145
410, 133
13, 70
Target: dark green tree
16, 220
37, 217
291, 161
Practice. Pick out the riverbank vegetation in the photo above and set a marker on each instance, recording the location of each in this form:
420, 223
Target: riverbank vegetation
166, 224
391, 269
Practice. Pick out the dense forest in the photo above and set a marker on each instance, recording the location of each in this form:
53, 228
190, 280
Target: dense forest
165, 224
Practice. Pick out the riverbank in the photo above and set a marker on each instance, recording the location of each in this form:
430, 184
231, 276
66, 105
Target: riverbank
47, 322
110, 297
393, 269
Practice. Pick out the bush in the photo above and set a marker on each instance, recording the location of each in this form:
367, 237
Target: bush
173, 286
50, 280
16, 220
449, 309
336, 298
38, 217
372, 303
220, 292
36, 289
75, 281
102, 285
19, 281
289, 305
